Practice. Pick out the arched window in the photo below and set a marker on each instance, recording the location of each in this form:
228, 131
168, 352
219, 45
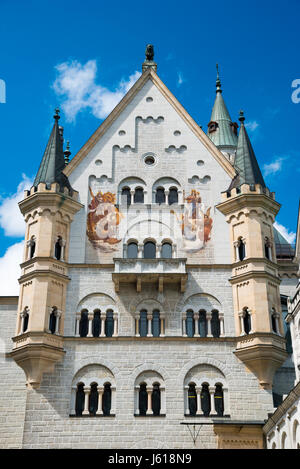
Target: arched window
247, 321
58, 248
143, 323
166, 251
160, 196
156, 323
219, 400
79, 404
205, 400
106, 400
31, 246
83, 324
93, 399
192, 399
283, 440
143, 399
52, 321
138, 197
149, 250
173, 196
126, 196
25, 318
241, 249
215, 324
267, 248
109, 323
190, 323
202, 323
156, 399
274, 321
96, 326
132, 250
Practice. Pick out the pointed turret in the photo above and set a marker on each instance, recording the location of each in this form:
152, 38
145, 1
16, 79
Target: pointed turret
221, 130
245, 161
53, 161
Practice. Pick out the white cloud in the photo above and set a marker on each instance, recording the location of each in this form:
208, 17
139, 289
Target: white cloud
290, 236
274, 167
180, 79
252, 125
11, 219
10, 270
76, 83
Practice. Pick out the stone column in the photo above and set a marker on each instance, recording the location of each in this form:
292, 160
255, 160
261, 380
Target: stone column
140, 250
167, 197
78, 316
198, 391
113, 400
115, 316
102, 317
100, 390
236, 251
132, 196
158, 250
162, 325
241, 316
149, 319
184, 334
73, 400
57, 324
212, 390
162, 400
196, 319
186, 400
221, 319
136, 400
22, 314
276, 316
174, 250
87, 390
137, 318
208, 319
90, 318
149, 407
63, 248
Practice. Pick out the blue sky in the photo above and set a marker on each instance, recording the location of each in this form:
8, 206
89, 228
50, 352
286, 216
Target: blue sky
49, 47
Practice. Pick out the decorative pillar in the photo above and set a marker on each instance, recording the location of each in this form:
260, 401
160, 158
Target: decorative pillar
225, 400
158, 250
57, 323
87, 390
241, 316
22, 314
140, 250
208, 319
102, 317
162, 325
221, 319
212, 390
162, 400
136, 400
100, 390
63, 248
149, 319
276, 316
196, 319
78, 316
137, 318
174, 246
167, 197
236, 250
184, 334
115, 316
186, 400
113, 400
149, 407
73, 400
90, 318
198, 391
132, 196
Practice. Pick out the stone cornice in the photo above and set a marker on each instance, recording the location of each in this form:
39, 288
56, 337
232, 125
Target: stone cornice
43, 273
281, 410
254, 274
248, 201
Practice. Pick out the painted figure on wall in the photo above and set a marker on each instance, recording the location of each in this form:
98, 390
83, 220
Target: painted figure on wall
196, 224
102, 221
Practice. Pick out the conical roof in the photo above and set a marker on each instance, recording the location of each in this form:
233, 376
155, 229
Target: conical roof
225, 133
53, 161
245, 161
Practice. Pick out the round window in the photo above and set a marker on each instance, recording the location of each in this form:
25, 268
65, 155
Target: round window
149, 160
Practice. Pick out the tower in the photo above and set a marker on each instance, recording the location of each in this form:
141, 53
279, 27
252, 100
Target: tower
48, 209
250, 209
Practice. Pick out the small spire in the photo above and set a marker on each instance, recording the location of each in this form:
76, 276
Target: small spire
241, 117
56, 115
218, 81
67, 153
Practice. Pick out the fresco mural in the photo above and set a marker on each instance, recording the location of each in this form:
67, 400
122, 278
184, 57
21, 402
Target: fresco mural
102, 221
195, 223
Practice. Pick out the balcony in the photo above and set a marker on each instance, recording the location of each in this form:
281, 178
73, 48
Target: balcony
156, 271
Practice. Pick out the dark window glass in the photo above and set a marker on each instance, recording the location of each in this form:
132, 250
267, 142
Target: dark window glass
25, 323
84, 324
192, 397
267, 251
215, 324
109, 324
79, 403
274, 325
219, 400
138, 195
149, 250
156, 323
93, 399
173, 196
160, 196
156, 399
106, 399
58, 249
241, 250
96, 326
126, 196
166, 251
205, 400
202, 324
247, 322
190, 324
143, 323
52, 322
32, 248
132, 251
143, 399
